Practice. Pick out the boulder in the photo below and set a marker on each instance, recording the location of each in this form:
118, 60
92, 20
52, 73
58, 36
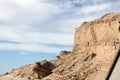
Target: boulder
43, 68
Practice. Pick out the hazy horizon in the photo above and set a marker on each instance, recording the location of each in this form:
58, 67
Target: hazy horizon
33, 30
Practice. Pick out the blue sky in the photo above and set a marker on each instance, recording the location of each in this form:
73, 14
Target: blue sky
33, 30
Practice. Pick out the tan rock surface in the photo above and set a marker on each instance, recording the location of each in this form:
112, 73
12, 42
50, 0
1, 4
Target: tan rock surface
96, 45
25, 72
10, 78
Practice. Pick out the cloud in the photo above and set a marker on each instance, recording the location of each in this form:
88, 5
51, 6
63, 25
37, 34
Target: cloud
11, 34
19, 12
27, 47
94, 8
34, 41
34, 23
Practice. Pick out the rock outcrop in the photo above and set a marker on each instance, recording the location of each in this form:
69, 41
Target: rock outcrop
31, 71
43, 68
96, 45
25, 72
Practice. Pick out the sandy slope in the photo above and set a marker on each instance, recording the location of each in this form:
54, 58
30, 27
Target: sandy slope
9, 78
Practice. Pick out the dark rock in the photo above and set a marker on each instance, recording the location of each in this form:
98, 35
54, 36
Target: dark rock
43, 68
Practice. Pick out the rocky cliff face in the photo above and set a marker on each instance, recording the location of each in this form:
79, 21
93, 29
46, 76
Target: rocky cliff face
96, 45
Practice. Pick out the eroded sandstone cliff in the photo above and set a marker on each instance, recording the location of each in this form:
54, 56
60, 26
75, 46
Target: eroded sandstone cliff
96, 45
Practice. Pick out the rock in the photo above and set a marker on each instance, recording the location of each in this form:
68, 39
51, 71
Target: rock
96, 45
43, 68
36, 79
23, 72
63, 54
10, 78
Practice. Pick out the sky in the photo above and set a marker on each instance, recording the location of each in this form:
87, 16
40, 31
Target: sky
33, 30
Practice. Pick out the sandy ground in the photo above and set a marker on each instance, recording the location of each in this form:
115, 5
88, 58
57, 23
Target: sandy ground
9, 78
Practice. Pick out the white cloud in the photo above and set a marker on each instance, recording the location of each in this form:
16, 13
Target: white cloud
33, 41
26, 2
32, 22
11, 34
26, 11
94, 8
31, 48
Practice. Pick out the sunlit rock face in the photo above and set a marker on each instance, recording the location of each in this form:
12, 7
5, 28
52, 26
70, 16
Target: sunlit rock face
96, 45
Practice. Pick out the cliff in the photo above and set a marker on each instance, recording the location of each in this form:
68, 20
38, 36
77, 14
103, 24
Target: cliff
96, 45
